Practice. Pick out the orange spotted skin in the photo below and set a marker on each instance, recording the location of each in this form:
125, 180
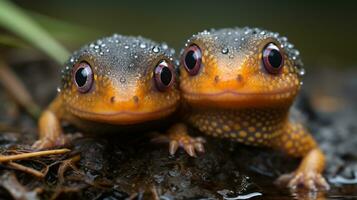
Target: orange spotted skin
123, 96
233, 96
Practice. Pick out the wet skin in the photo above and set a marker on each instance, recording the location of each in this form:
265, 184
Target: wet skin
239, 84
116, 84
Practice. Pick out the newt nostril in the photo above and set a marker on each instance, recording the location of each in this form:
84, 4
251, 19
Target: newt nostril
216, 79
239, 78
112, 99
136, 99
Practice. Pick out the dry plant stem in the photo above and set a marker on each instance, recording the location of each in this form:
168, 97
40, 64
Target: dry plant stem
7, 158
17, 90
64, 166
133, 196
154, 193
25, 169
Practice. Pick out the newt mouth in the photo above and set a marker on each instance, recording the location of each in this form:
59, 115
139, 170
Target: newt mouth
236, 94
234, 99
125, 116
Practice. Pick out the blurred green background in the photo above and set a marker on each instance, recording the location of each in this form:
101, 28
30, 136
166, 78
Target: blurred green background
324, 31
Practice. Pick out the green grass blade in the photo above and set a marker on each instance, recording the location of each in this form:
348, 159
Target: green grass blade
16, 20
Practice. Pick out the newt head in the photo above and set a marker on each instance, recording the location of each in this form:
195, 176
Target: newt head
120, 80
239, 67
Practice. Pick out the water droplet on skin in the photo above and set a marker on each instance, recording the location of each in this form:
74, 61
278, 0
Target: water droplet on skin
122, 80
296, 52
231, 56
156, 49
284, 39
205, 32
143, 45
225, 50
164, 46
302, 72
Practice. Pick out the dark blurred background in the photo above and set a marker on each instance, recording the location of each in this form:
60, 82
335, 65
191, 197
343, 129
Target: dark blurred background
324, 31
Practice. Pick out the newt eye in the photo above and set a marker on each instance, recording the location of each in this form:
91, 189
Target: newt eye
164, 75
192, 59
83, 77
273, 60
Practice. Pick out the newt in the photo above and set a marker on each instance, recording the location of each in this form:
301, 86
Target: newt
115, 84
239, 84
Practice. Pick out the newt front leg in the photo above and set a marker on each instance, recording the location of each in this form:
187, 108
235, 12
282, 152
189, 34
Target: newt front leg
297, 142
179, 137
50, 130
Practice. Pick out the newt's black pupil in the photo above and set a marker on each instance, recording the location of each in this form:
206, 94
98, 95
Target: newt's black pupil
166, 76
190, 59
81, 77
275, 58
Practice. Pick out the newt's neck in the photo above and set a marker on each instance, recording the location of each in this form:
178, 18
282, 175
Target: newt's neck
253, 126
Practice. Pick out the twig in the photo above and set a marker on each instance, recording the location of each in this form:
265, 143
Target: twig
25, 169
154, 193
7, 158
17, 90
